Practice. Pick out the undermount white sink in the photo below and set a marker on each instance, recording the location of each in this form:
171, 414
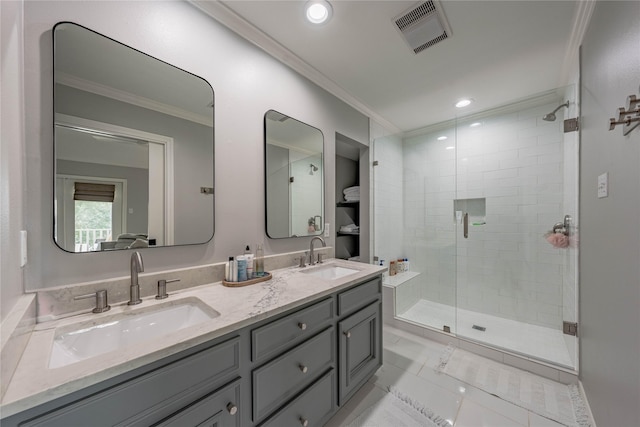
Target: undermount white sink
330, 272
82, 341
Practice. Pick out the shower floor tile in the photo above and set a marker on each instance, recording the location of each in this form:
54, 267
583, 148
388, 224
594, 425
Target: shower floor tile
534, 341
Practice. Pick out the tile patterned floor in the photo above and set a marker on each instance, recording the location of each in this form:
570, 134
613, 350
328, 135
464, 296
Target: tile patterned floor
534, 341
409, 363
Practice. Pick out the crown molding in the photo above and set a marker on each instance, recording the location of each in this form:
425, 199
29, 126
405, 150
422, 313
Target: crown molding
581, 19
129, 98
236, 23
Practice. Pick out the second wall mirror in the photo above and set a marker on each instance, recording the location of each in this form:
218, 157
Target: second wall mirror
294, 177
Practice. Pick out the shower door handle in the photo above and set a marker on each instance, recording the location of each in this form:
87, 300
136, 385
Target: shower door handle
465, 227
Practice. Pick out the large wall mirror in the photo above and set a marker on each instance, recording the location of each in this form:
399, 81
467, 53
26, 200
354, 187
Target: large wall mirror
134, 147
294, 177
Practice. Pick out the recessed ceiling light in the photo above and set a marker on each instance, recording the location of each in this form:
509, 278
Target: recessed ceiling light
442, 138
451, 147
475, 125
464, 103
318, 11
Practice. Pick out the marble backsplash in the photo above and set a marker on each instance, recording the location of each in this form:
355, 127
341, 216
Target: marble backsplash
58, 302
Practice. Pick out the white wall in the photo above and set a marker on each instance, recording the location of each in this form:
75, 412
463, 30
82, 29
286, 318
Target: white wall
609, 232
11, 153
247, 82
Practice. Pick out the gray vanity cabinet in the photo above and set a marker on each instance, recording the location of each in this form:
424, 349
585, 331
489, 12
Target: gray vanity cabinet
150, 397
293, 369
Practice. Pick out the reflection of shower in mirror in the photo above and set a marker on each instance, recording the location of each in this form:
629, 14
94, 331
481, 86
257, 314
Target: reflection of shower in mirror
312, 168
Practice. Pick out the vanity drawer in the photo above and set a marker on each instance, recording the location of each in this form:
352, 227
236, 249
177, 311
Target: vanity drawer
275, 336
217, 408
359, 296
312, 408
279, 380
153, 396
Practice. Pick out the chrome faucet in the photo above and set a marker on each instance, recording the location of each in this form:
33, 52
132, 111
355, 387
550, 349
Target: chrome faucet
312, 261
136, 267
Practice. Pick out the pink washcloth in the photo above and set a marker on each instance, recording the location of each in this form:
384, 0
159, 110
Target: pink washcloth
558, 240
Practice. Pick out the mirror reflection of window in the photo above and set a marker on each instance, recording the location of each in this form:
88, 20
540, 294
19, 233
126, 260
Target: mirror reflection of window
93, 210
294, 175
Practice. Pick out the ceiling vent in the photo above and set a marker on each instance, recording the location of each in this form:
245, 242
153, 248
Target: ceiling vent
423, 25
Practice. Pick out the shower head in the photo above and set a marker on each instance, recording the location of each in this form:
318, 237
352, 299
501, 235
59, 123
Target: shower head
551, 117
312, 168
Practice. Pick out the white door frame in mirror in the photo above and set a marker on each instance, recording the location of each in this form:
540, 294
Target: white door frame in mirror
161, 197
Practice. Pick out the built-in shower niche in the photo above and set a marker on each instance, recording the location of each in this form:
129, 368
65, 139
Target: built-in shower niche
476, 208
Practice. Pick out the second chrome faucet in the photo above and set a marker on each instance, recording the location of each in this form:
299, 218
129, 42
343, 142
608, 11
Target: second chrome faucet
137, 266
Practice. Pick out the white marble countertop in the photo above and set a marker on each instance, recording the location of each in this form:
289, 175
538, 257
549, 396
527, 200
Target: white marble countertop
33, 383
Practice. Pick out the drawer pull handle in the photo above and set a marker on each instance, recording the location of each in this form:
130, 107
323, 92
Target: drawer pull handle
304, 422
232, 408
347, 334
302, 326
303, 368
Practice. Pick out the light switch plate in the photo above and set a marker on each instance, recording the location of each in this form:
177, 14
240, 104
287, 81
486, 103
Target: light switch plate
327, 233
603, 185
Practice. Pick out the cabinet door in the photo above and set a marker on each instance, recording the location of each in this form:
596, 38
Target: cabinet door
217, 409
360, 349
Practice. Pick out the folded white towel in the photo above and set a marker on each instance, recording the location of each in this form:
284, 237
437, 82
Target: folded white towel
355, 189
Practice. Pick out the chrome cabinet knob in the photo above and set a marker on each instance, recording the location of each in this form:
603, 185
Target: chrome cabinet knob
233, 409
347, 334
303, 368
302, 326
304, 422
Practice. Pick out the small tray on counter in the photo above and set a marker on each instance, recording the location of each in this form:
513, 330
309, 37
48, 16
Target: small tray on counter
253, 281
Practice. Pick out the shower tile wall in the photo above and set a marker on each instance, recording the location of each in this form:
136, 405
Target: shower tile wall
505, 268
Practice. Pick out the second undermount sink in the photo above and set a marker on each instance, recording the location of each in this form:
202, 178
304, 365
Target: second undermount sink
330, 272
82, 341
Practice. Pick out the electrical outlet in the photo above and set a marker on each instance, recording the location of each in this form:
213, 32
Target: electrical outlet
327, 233
603, 185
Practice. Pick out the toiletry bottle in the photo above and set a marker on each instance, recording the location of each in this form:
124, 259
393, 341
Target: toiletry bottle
242, 268
392, 268
228, 269
249, 256
258, 267
233, 275
399, 265
407, 265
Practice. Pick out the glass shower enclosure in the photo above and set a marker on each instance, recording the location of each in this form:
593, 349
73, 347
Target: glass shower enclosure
485, 210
